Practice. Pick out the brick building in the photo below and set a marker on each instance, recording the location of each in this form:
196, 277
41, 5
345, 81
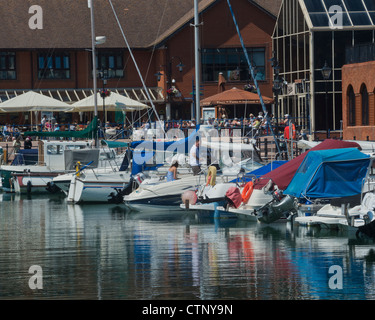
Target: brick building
45, 46
311, 35
358, 87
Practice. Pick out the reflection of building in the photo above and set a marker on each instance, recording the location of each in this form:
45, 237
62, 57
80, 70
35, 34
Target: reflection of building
358, 89
56, 59
308, 33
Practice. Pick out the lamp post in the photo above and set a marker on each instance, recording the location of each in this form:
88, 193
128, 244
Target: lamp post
170, 81
326, 73
103, 75
180, 67
277, 85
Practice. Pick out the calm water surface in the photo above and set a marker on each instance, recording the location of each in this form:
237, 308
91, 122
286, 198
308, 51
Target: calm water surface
107, 252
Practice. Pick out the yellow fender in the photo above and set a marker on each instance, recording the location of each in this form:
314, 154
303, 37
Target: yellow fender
211, 176
78, 167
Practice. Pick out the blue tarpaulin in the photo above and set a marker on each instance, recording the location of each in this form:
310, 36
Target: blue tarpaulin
261, 171
181, 146
143, 161
332, 173
26, 156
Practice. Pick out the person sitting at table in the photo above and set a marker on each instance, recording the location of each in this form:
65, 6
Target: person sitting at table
27, 143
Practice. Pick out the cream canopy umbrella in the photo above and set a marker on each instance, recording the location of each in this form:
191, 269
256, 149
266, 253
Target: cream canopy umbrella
113, 102
33, 101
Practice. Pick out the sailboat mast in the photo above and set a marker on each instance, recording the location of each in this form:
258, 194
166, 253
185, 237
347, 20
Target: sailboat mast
95, 83
197, 63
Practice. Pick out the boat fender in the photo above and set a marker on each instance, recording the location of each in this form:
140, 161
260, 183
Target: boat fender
28, 186
211, 176
78, 167
189, 196
247, 191
233, 197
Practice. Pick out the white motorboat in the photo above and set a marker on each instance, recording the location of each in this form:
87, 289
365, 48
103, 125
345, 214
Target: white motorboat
246, 209
327, 217
103, 185
163, 193
51, 162
96, 186
41, 179
169, 193
209, 197
360, 219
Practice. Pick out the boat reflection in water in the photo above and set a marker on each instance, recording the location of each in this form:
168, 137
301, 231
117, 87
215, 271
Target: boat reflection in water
108, 252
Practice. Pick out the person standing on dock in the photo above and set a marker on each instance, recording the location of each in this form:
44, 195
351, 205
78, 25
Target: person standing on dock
194, 157
16, 144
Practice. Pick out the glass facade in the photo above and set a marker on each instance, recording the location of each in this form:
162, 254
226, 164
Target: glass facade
112, 62
53, 66
8, 66
309, 33
349, 13
232, 63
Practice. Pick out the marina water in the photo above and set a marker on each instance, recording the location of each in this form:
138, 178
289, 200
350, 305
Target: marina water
108, 252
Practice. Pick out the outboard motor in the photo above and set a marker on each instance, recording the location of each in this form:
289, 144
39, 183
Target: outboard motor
277, 208
118, 197
368, 228
52, 188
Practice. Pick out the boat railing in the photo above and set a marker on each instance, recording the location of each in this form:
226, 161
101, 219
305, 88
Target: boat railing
368, 185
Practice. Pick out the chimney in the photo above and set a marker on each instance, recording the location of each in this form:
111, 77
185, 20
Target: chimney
221, 83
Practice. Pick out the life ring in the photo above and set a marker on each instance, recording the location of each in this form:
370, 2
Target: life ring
211, 176
247, 191
287, 132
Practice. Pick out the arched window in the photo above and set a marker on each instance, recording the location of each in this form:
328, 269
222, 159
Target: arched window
365, 110
351, 106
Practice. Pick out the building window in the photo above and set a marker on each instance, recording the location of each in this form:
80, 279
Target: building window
365, 110
113, 62
233, 64
351, 106
53, 66
8, 66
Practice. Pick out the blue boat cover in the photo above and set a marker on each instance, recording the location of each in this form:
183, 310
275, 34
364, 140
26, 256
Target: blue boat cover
261, 171
182, 146
331, 173
26, 156
143, 161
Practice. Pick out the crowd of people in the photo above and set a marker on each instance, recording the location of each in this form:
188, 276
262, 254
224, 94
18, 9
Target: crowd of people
254, 125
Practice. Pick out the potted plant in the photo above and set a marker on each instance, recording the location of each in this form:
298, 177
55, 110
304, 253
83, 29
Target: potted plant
105, 93
173, 91
249, 87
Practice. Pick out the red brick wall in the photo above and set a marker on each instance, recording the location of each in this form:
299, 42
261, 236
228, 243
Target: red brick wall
218, 30
356, 75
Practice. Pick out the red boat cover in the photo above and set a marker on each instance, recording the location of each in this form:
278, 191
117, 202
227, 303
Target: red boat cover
234, 194
285, 173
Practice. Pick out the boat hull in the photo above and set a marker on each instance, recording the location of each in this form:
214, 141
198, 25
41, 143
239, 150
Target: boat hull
96, 188
33, 182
